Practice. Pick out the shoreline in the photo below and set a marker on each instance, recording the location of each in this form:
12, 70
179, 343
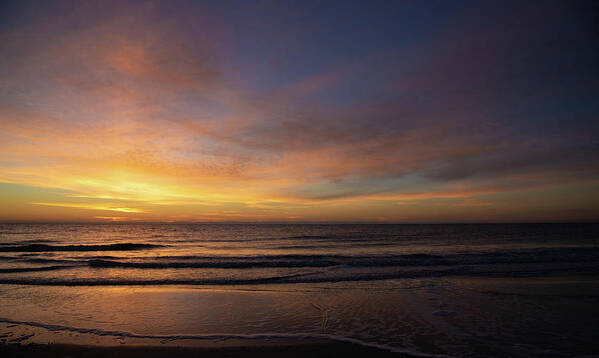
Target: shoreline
210, 342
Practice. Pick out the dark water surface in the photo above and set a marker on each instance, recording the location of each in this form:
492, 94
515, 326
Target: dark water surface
456, 290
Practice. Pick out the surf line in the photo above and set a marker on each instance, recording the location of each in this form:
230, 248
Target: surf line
223, 336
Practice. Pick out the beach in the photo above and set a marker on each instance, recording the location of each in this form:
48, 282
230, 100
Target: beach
234, 290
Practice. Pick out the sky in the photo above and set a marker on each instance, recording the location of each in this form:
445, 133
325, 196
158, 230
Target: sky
299, 111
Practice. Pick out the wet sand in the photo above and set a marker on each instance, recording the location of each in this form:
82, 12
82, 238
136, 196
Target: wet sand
300, 349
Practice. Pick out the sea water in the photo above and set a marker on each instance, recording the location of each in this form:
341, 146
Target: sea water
452, 290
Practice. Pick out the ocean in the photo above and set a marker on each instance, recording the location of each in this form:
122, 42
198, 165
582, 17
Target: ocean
467, 290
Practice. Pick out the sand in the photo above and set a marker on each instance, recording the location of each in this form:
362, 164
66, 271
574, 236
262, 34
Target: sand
300, 349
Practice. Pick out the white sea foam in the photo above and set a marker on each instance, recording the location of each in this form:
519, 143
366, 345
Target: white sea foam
224, 336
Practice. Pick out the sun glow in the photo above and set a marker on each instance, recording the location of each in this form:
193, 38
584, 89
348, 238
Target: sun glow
92, 207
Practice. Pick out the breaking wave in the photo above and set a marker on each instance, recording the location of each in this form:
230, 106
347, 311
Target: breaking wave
53, 248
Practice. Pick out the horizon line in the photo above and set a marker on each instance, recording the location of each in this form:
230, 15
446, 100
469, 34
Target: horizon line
301, 222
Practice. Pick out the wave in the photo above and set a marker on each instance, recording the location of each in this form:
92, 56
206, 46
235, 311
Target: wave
209, 264
33, 269
48, 261
513, 256
224, 336
346, 237
21, 232
333, 246
52, 248
136, 282
323, 277
256, 257
343, 238
523, 256
36, 241
268, 261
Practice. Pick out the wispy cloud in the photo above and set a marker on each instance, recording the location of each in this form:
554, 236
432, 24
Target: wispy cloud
190, 112
92, 207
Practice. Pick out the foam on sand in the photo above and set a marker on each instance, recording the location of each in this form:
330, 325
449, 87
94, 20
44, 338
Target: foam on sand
223, 336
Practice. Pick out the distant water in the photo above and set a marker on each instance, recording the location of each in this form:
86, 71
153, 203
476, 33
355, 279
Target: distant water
206, 254
361, 264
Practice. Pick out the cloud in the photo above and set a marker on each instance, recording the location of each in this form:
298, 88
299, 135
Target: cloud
158, 105
93, 207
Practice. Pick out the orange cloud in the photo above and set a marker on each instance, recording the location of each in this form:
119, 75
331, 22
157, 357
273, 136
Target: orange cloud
93, 207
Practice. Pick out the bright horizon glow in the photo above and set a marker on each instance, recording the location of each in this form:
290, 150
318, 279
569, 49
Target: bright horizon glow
285, 113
